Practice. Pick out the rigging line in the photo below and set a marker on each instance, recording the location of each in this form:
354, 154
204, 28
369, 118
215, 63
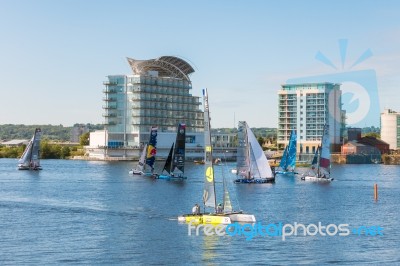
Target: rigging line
229, 184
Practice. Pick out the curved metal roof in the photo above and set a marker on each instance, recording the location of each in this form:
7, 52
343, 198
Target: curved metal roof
167, 66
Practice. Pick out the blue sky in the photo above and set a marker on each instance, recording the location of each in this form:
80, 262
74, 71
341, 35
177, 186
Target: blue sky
55, 55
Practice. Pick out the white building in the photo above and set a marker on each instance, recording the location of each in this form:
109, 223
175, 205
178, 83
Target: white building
390, 128
306, 108
156, 94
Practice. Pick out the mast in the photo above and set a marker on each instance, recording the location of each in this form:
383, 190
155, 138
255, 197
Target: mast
248, 150
319, 158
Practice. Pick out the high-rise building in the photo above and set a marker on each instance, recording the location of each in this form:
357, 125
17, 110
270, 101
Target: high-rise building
306, 108
390, 128
157, 93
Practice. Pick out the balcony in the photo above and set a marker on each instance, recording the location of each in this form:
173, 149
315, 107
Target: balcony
109, 99
110, 115
109, 91
109, 123
109, 107
109, 83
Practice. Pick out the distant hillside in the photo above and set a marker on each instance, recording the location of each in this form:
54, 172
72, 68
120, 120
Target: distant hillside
50, 132
264, 132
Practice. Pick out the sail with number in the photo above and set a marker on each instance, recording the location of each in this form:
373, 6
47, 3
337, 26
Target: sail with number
292, 151
288, 161
151, 150
325, 157
148, 155
243, 152
209, 181
320, 169
179, 151
175, 163
283, 162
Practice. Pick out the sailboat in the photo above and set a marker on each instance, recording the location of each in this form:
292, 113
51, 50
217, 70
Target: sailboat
321, 164
288, 161
30, 158
148, 156
220, 214
252, 164
175, 163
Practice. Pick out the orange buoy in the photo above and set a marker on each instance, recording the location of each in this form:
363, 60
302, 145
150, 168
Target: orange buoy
376, 191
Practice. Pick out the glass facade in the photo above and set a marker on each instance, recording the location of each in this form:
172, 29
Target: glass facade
134, 103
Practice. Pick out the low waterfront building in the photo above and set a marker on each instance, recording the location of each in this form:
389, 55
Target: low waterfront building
382, 146
15, 142
390, 128
354, 147
353, 134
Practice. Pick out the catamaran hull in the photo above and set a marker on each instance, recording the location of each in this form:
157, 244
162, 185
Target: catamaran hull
285, 172
205, 219
254, 181
316, 179
216, 219
23, 167
168, 177
140, 173
135, 172
242, 218
187, 218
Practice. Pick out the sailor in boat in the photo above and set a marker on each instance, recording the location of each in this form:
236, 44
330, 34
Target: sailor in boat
196, 209
220, 209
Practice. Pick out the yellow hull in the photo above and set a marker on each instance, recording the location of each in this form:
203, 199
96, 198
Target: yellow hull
205, 219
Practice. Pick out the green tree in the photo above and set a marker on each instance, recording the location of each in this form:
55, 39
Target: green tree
84, 139
261, 141
65, 152
372, 134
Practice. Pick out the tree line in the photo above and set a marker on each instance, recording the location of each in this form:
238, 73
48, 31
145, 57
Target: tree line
50, 132
48, 150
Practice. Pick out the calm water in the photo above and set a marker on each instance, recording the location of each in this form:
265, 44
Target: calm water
94, 212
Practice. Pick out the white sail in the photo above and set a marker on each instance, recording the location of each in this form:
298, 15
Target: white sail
243, 152
227, 199
142, 160
325, 156
258, 157
322, 160
209, 181
30, 159
25, 158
